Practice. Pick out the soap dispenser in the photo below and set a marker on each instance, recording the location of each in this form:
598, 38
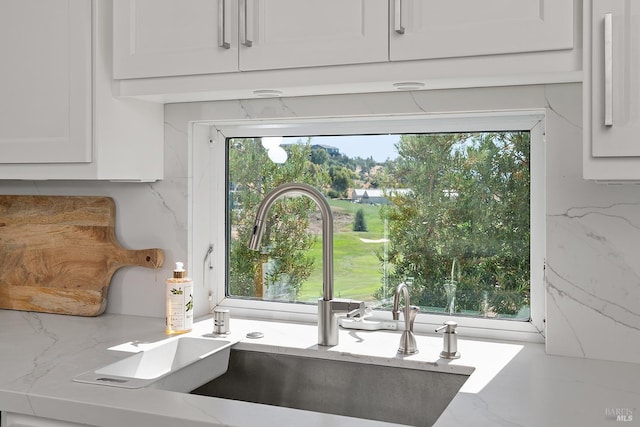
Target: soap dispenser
179, 302
450, 343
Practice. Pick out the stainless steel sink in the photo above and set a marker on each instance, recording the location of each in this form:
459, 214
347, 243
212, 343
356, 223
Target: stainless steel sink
410, 394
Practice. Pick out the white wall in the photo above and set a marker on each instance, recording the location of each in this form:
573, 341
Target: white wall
593, 264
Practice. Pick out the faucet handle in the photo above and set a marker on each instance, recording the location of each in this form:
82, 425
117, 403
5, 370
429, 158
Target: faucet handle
360, 312
347, 307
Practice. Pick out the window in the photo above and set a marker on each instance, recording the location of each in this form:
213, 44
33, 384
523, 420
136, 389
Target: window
216, 197
447, 213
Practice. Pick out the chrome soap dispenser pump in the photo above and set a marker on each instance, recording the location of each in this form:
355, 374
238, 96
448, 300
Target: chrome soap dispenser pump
450, 337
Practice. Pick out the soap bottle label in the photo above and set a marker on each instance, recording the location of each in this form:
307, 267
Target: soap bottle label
179, 307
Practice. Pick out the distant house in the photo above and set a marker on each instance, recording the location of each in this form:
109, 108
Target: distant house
357, 195
375, 196
332, 151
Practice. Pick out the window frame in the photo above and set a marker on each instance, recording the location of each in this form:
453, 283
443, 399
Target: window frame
208, 207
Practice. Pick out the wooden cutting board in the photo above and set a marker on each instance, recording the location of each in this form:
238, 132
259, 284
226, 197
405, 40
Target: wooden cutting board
58, 253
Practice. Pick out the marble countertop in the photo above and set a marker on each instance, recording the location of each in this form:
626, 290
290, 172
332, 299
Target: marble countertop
511, 383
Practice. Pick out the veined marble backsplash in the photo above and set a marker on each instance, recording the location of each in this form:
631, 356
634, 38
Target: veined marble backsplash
592, 230
593, 280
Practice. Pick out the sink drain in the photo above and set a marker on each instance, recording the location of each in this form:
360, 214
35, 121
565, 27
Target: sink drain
255, 335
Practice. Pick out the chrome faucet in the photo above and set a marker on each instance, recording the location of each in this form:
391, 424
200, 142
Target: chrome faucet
407, 341
328, 307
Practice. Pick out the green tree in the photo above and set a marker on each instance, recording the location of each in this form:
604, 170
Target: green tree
470, 202
359, 223
287, 240
319, 156
340, 179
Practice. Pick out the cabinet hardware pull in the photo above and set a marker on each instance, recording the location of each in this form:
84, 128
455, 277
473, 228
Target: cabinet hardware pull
397, 18
244, 27
222, 27
608, 69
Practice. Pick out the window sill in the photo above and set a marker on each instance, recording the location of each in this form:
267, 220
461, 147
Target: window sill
425, 323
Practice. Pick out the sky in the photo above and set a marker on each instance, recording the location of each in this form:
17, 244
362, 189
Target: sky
380, 147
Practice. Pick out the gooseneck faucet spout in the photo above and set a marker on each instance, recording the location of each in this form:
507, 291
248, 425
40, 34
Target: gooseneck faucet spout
328, 307
407, 341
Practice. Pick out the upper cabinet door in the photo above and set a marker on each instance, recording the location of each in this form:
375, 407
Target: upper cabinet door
170, 38
614, 78
427, 29
304, 33
45, 81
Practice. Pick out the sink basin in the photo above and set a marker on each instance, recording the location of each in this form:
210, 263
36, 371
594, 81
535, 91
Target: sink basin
157, 366
411, 394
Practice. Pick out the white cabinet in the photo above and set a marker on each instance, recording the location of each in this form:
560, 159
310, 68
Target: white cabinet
278, 34
59, 84
615, 78
309, 47
428, 29
611, 90
45, 108
167, 38
163, 38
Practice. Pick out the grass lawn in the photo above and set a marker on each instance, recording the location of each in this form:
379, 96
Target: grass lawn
357, 270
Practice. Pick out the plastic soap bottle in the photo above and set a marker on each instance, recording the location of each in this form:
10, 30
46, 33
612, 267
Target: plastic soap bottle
179, 302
